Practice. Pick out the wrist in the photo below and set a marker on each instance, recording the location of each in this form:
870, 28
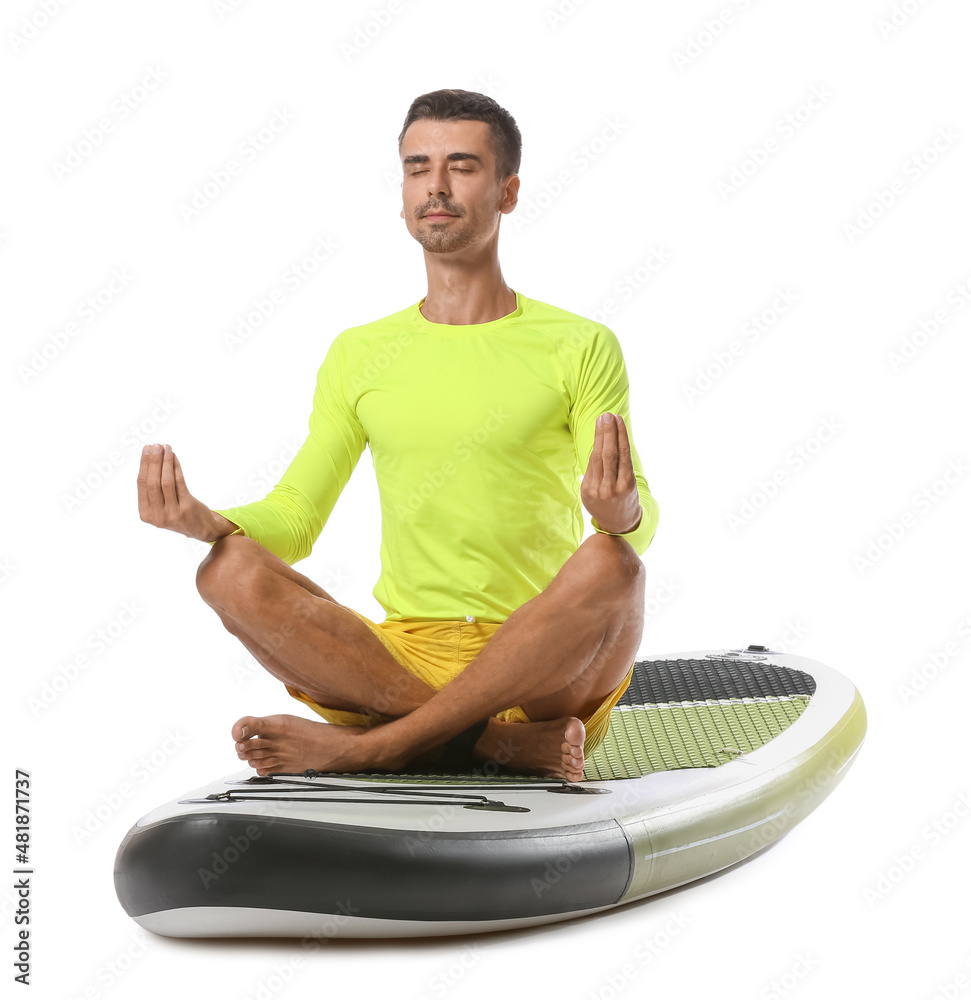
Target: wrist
626, 531
221, 526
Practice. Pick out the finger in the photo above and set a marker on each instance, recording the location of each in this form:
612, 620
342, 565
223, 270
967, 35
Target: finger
625, 464
594, 471
623, 442
153, 481
143, 485
610, 453
168, 479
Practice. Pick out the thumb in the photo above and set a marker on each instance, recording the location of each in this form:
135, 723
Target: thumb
181, 490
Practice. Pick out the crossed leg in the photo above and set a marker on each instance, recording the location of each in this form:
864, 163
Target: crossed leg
301, 634
558, 656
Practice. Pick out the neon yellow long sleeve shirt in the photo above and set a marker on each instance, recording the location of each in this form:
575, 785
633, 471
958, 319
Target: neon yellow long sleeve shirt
479, 435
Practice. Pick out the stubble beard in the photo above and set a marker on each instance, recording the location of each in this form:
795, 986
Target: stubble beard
445, 237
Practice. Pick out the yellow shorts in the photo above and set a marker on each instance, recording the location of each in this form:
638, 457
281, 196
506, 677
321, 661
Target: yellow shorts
436, 651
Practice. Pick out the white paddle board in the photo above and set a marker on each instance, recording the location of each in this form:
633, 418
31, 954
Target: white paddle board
711, 756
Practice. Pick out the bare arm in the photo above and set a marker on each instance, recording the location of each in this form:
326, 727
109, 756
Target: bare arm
164, 500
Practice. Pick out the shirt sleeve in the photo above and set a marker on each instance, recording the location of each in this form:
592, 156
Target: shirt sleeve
602, 387
292, 515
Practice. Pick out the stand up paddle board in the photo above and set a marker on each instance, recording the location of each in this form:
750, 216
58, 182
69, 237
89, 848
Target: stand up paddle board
711, 756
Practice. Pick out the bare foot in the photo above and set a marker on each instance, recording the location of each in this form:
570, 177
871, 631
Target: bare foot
287, 743
551, 748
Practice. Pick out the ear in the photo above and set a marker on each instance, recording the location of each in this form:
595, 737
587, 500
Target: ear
510, 196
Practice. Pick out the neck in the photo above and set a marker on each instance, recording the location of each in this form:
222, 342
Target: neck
459, 296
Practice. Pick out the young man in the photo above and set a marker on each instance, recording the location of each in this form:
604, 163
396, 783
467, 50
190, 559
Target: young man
505, 638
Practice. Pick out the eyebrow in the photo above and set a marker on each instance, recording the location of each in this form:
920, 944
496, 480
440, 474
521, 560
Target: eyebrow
423, 158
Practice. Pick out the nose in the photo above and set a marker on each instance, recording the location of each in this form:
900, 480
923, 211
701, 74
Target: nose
437, 182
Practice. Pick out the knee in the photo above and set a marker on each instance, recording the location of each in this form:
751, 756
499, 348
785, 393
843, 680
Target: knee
616, 570
226, 569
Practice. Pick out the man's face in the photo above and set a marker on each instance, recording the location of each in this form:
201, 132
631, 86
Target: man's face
462, 191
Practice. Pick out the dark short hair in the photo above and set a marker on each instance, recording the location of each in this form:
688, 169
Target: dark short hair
453, 105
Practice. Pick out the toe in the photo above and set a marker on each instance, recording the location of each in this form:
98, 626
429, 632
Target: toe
245, 727
253, 743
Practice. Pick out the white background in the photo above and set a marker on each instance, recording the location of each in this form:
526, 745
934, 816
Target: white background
150, 712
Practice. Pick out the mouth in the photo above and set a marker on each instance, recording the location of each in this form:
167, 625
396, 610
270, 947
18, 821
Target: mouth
439, 215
